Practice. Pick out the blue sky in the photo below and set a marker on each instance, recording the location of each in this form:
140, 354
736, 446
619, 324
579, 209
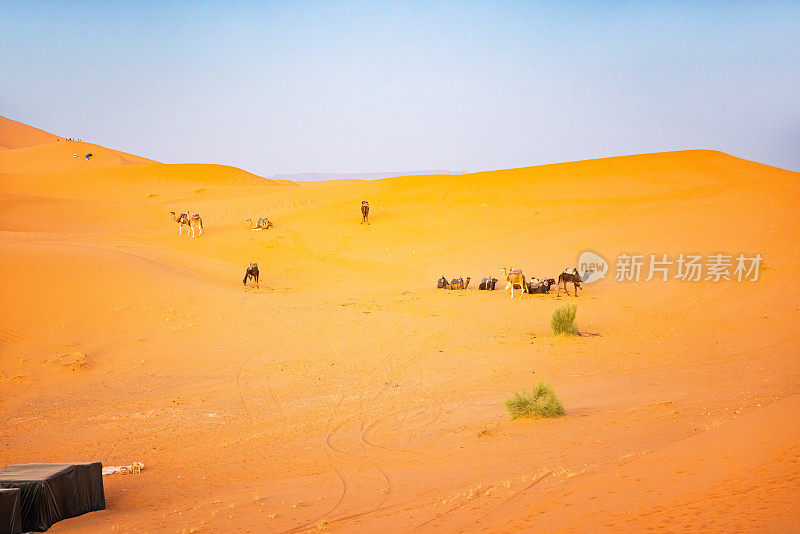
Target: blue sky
393, 86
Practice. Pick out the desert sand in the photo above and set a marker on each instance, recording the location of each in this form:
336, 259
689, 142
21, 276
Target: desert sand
348, 394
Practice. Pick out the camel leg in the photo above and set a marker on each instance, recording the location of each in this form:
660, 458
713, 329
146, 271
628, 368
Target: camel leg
558, 286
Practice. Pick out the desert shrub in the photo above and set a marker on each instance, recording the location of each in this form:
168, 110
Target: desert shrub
541, 402
563, 320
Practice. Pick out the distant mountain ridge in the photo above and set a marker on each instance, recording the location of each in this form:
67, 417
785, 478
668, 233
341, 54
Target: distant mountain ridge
320, 176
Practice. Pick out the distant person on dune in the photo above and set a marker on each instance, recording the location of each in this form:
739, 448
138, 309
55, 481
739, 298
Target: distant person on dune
364, 212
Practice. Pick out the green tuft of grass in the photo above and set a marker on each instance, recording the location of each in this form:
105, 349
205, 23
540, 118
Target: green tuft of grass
541, 402
563, 320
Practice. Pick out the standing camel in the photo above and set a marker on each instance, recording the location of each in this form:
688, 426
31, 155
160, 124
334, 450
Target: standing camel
251, 272
182, 220
364, 212
569, 275
514, 278
196, 223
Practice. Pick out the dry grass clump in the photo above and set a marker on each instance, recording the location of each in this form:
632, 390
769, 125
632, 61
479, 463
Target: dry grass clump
563, 320
539, 403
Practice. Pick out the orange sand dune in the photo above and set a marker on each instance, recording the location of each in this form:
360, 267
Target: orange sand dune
64, 156
14, 134
348, 394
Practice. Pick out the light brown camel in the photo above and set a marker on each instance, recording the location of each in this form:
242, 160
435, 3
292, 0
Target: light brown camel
182, 220
514, 278
196, 223
262, 224
460, 283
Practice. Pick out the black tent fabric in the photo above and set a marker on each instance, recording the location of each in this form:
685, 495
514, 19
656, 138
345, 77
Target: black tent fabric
10, 521
52, 492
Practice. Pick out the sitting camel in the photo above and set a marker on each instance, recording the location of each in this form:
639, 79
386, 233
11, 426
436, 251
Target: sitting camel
514, 278
442, 283
488, 284
459, 283
262, 224
540, 286
182, 220
569, 275
251, 272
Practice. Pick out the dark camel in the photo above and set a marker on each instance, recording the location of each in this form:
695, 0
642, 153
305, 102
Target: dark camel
251, 272
569, 275
488, 284
540, 286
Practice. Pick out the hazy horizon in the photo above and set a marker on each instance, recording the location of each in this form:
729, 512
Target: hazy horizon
352, 87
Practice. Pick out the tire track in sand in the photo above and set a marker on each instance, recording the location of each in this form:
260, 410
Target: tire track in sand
353, 453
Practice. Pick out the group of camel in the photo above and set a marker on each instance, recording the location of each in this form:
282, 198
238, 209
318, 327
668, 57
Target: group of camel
515, 279
192, 222
455, 283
